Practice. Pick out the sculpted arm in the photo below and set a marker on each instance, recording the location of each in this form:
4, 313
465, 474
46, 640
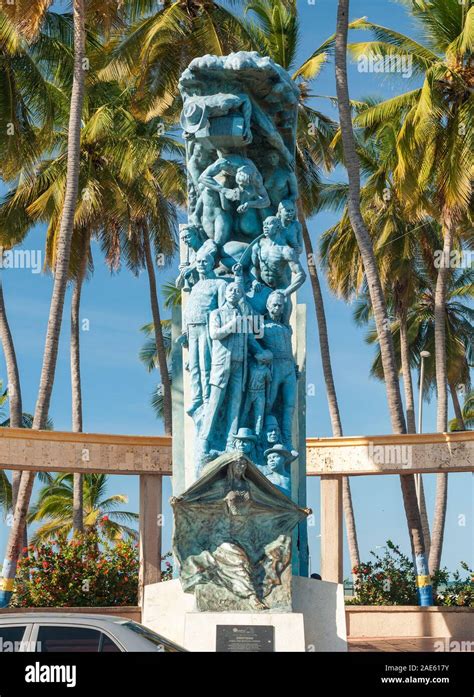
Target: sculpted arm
207, 177
298, 277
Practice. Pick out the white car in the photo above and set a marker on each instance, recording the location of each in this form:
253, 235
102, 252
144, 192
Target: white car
45, 632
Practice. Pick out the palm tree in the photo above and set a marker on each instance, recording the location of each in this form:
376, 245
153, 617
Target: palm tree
27, 16
467, 414
54, 508
434, 147
436, 140
149, 357
364, 242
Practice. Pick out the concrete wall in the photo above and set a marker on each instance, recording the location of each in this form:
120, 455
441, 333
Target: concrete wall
408, 621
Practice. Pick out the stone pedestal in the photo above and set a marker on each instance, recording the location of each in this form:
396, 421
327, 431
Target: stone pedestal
316, 624
200, 630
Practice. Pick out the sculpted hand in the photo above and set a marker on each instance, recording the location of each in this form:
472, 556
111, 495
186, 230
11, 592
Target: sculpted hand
231, 194
257, 286
242, 208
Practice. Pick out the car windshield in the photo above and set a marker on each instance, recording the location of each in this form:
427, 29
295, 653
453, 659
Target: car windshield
152, 636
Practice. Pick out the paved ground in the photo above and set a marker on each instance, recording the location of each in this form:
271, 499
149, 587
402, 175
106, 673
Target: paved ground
425, 644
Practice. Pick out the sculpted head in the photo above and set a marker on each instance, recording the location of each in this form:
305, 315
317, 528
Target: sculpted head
233, 294
191, 236
286, 211
244, 175
272, 430
271, 226
276, 462
204, 262
276, 304
272, 158
237, 469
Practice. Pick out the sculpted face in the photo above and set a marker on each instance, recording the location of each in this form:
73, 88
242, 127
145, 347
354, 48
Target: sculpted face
275, 305
273, 435
204, 263
244, 446
275, 462
242, 177
271, 227
239, 469
287, 212
233, 294
273, 158
190, 236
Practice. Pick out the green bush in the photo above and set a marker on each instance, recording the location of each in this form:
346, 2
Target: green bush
390, 579
86, 571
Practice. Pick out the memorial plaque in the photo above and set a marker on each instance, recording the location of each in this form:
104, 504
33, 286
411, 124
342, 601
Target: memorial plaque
245, 638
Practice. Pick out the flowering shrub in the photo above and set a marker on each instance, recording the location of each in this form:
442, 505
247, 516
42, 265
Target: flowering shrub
391, 580
86, 571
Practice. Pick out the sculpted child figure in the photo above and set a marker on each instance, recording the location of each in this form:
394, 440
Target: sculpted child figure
259, 380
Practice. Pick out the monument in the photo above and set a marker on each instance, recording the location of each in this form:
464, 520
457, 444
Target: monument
239, 479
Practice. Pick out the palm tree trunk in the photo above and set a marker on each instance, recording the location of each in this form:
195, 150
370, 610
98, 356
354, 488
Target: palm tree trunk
461, 426
411, 424
76, 388
406, 373
333, 405
441, 500
440, 327
376, 296
14, 391
160, 344
57, 300
13, 375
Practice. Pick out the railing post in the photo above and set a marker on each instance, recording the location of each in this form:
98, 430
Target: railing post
331, 529
151, 489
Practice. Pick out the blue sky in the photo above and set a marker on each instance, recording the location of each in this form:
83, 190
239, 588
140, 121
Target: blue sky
117, 388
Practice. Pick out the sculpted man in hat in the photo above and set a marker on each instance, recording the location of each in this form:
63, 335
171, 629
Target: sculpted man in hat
244, 441
278, 459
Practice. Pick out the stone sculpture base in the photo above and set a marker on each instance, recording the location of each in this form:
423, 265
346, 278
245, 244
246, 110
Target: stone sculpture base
171, 612
200, 629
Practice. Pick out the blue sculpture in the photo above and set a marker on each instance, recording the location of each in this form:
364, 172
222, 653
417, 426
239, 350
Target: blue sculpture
242, 244
232, 538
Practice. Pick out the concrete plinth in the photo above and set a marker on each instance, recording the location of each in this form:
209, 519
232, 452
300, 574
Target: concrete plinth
200, 628
316, 624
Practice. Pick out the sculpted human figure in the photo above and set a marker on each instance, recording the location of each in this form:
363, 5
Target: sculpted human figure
231, 342
194, 239
227, 166
291, 226
277, 339
202, 156
278, 459
206, 295
280, 182
244, 441
213, 212
275, 264
258, 384
251, 197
